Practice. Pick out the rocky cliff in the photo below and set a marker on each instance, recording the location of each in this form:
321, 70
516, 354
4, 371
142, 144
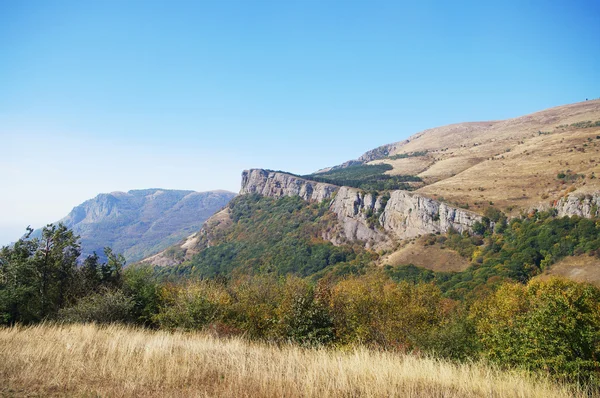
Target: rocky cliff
277, 184
579, 205
381, 152
375, 220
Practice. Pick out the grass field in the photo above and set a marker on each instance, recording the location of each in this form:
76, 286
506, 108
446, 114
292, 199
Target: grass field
117, 361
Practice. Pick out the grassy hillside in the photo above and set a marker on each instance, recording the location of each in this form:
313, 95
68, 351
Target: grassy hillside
513, 163
116, 361
517, 251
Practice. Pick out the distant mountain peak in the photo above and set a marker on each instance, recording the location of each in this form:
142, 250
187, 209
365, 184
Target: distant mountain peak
141, 222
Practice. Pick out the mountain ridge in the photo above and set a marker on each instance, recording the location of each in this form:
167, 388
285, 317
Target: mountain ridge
139, 222
513, 163
380, 220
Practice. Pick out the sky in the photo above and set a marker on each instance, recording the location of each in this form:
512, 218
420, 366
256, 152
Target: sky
100, 95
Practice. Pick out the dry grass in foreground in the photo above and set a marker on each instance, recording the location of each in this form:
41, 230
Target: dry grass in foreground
116, 361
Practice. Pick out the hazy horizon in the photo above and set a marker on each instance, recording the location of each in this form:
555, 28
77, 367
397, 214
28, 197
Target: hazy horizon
118, 95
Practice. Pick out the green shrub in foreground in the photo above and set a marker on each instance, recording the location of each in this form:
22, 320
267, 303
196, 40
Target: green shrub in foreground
551, 326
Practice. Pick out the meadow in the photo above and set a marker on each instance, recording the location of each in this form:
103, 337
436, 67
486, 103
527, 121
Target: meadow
120, 361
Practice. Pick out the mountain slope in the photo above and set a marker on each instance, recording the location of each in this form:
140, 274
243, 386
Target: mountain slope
139, 223
514, 163
370, 219
451, 179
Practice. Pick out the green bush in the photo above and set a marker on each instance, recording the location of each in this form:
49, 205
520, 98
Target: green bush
191, 306
454, 338
551, 326
104, 307
303, 318
141, 285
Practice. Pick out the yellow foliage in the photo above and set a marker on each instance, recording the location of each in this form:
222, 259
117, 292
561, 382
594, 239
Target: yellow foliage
375, 309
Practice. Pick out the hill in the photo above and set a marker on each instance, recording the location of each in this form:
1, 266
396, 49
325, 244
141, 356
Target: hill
516, 164
139, 223
386, 208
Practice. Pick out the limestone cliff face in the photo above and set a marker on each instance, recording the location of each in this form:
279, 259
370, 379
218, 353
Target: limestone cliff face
408, 214
276, 184
377, 221
358, 213
579, 205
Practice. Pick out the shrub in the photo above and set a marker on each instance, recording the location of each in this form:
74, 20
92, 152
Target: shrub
551, 326
375, 310
108, 306
303, 318
454, 338
141, 285
191, 306
255, 307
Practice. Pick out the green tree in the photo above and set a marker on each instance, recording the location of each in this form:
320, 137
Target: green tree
108, 275
38, 276
17, 281
55, 262
551, 326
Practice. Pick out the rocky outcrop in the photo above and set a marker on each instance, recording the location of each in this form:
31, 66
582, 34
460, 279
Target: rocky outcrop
380, 152
408, 214
579, 205
276, 184
375, 220
358, 214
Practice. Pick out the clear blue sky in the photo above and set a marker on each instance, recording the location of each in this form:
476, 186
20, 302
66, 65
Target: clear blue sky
99, 96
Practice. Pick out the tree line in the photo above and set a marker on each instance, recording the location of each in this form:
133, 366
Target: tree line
550, 326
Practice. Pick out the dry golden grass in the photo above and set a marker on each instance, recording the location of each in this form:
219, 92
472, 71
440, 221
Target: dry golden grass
410, 166
506, 162
116, 361
435, 257
577, 268
526, 176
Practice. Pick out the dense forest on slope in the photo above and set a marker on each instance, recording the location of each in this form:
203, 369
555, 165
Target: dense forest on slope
366, 177
286, 236
274, 235
513, 251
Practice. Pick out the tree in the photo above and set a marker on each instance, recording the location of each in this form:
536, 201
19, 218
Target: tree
55, 262
108, 275
551, 326
38, 276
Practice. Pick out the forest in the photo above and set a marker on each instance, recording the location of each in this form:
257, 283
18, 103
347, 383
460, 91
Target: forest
366, 177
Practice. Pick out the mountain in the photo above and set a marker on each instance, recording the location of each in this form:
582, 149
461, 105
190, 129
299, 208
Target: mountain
139, 223
426, 202
516, 164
